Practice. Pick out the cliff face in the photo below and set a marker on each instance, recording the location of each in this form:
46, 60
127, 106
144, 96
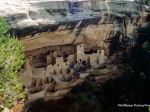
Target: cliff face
65, 39
93, 22
35, 13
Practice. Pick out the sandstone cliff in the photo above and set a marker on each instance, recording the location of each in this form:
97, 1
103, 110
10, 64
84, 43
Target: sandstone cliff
59, 33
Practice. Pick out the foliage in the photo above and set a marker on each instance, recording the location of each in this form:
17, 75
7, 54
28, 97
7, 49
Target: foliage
74, 107
142, 1
133, 86
146, 46
34, 106
83, 98
11, 60
3, 26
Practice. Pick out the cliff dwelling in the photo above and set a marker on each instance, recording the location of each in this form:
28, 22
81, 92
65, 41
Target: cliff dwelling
66, 39
45, 69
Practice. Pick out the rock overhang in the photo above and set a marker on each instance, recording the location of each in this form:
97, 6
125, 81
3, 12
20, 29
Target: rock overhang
28, 17
50, 35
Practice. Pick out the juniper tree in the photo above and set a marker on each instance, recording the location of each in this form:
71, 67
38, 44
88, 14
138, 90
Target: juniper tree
11, 60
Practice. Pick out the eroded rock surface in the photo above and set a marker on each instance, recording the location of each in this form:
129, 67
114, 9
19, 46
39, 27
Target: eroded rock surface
65, 39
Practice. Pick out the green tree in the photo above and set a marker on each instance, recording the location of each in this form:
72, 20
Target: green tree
146, 46
11, 60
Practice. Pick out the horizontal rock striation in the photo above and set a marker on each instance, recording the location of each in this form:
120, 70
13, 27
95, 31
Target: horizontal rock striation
66, 40
34, 16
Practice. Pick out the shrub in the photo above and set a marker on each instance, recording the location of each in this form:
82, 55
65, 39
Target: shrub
11, 60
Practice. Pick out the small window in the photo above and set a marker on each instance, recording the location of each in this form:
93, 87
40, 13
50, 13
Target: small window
99, 51
58, 65
94, 51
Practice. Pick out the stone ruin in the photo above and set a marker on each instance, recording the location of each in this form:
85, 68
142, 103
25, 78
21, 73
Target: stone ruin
50, 72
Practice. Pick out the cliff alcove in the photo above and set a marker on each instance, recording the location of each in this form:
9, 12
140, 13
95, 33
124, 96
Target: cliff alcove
70, 42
